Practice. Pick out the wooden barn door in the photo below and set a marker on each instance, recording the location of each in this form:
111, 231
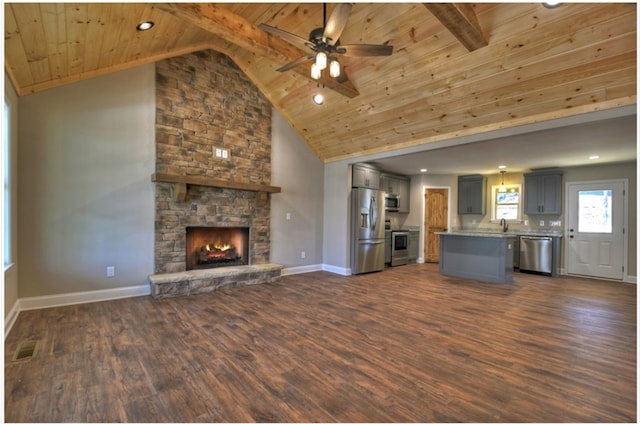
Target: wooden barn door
436, 213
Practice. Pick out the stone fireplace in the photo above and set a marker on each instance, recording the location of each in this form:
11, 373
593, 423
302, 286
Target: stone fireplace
205, 105
208, 207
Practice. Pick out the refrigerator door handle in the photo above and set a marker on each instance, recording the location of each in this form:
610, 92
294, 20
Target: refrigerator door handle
371, 242
374, 213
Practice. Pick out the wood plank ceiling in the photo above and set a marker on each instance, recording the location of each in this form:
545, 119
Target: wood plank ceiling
522, 63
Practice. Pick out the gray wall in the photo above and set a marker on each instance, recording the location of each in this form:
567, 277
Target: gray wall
87, 151
300, 173
11, 272
337, 189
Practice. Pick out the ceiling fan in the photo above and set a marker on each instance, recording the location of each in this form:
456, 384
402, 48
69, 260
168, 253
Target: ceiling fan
325, 43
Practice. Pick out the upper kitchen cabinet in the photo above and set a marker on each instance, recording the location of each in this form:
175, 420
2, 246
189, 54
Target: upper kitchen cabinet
365, 175
472, 195
400, 186
543, 192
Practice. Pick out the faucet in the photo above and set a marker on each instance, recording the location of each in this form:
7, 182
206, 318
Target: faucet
505, 226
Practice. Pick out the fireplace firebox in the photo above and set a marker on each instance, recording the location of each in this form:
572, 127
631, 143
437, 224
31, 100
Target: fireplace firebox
212, 247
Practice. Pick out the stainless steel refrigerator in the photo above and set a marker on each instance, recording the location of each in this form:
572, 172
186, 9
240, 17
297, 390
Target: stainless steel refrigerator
367, 224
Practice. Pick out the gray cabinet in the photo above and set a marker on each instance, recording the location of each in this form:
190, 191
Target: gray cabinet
414, 244
472, 195
365, 176
543, 193
399, 185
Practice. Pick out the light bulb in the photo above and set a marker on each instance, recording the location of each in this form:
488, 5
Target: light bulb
334, 68
315, 71
318, 99
321, 60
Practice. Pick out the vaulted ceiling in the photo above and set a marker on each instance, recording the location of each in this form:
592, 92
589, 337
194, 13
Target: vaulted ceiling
456, 70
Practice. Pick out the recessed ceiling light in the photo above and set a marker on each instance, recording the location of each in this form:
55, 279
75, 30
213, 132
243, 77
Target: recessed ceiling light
593, 157
144, 26
318, 99
551, 4
423, 170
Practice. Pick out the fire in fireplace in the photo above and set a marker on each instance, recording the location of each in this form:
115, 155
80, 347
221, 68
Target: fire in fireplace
211, 247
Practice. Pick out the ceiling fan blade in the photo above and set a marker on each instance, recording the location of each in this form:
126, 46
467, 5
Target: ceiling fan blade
336, 23
365, 49
295, 63
287, 36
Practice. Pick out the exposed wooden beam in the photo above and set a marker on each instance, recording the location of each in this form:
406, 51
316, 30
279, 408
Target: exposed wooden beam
461, 20
223, 23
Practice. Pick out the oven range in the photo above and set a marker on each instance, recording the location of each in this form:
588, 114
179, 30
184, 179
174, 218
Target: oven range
399, 248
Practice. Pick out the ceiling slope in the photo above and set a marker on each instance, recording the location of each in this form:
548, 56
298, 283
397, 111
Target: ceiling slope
473, 69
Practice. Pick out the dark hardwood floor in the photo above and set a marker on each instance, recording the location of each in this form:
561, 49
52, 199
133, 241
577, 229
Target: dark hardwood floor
403, 345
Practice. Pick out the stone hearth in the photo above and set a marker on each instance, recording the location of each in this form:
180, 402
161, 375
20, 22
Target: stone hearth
209, 280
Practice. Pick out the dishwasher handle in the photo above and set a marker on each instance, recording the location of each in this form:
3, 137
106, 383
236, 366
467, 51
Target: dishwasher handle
535, 238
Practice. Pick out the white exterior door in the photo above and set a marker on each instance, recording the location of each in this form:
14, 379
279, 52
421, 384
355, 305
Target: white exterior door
594, 239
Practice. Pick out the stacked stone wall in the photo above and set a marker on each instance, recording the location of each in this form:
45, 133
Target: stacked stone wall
204, 102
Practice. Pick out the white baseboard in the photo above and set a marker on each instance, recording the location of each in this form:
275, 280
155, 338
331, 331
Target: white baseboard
11, 318
313, 268
301, 269
52, 301
336, 270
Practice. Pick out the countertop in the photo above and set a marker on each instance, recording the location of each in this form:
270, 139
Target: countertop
494, 233
476, 234
407, 229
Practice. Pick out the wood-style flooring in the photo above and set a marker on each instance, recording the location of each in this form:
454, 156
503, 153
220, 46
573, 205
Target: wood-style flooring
403, 345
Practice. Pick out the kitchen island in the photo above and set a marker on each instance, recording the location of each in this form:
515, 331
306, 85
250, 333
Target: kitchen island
477, 255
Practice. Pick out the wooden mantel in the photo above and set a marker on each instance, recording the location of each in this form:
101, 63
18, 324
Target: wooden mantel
181, 181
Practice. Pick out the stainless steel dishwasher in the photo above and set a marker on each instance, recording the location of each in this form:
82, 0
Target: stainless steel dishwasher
536, 254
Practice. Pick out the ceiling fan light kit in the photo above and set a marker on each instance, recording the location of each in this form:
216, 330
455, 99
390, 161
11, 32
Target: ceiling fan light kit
334, 68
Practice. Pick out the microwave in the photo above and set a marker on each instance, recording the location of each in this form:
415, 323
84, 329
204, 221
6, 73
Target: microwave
391, 202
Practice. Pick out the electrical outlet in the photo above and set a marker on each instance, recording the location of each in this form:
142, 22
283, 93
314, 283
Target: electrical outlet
218, 153
225, 154
542, 222
303, 254
288, 216
111, 271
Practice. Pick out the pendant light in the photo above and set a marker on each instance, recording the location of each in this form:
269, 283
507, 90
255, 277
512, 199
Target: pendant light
502, 188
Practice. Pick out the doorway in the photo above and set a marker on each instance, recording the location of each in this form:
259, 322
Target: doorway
436, 219
595, 245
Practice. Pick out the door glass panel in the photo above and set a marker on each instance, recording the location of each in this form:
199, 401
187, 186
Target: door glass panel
594, 211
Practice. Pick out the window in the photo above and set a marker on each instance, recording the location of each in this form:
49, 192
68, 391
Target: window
594, 211
6, 201
506, 204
